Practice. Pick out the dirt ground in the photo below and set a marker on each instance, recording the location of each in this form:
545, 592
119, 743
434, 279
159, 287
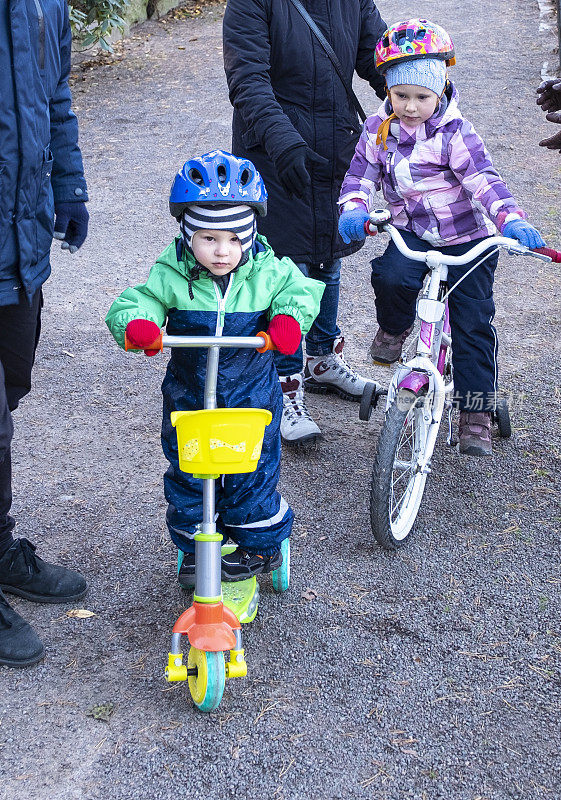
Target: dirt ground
428, 674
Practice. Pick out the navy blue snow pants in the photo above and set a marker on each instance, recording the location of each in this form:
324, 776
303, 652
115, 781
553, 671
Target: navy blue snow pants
397, 281
250, 510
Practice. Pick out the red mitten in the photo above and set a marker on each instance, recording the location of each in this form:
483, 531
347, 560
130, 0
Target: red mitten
141, 333
285, 333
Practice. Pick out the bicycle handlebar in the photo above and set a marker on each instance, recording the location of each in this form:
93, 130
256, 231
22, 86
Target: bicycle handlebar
543, 253
554, 255
262, 342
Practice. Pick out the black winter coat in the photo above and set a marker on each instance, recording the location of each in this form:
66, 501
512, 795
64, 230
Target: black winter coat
285, 92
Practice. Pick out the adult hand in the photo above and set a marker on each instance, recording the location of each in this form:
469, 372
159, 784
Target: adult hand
292, 171
71, 224
553, 142
351, 225
141, 333
549, 95
285, 334
523, 232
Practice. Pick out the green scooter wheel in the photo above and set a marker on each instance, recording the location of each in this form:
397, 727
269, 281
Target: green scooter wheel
207, 686
281, 576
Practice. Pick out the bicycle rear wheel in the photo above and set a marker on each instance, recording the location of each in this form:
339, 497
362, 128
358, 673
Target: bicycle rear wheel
397, 484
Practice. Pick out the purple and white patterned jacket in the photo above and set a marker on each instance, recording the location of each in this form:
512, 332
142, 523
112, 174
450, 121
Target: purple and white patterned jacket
437, 179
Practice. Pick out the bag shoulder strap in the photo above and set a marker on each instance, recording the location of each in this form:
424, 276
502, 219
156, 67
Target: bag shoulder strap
332, 56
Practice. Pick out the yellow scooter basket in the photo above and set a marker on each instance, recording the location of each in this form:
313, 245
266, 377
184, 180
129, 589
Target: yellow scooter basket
220, 440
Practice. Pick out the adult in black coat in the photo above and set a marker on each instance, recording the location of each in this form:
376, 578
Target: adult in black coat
294, 120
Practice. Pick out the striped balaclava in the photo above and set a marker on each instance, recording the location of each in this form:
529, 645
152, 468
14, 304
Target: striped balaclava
238, 219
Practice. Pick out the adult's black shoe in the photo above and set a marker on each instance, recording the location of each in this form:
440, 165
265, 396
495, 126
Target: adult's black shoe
25, 574
19, 644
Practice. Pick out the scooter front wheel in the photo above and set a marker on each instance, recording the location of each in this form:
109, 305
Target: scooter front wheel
397, 483
207, 685
281, 576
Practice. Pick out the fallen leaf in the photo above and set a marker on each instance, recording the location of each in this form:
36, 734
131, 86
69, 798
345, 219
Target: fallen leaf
309, 594
101, 711
80, 613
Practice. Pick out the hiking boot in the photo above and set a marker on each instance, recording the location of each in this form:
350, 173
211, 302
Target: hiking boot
475, 433
331, 373
239, 565
297, 426
25, 574
386, 348
19, 644
186, 575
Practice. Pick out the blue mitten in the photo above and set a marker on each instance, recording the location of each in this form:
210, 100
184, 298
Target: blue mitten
523, 232
351, 225
71, 224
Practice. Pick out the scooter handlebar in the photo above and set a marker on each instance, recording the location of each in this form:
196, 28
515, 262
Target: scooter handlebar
262, 342
268, 342
156, 345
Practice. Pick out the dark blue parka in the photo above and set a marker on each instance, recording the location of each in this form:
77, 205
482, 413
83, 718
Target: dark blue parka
286, 92
39, 152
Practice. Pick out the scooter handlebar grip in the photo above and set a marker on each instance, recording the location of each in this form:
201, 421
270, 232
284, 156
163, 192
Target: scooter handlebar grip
268, 342
554, 255
156, 345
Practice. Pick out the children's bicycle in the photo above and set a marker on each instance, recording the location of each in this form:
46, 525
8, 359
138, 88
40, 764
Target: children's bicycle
421, 389
213, 442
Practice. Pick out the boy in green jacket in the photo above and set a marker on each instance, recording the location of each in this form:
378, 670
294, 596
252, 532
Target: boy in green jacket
219, 278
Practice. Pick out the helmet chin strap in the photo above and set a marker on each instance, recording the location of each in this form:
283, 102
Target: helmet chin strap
384, 129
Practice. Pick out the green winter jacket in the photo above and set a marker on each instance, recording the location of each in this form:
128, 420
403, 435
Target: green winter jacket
263, 286
257, 291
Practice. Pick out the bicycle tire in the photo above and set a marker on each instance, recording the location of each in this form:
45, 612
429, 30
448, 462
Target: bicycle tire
365, 409
404, 433
502, 418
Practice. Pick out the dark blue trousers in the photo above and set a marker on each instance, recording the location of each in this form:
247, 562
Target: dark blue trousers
397, 281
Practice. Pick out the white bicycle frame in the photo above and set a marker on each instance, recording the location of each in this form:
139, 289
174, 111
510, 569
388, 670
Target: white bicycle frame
422, 370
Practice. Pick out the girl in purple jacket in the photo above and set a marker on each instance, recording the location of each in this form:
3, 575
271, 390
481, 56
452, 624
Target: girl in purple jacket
444, 193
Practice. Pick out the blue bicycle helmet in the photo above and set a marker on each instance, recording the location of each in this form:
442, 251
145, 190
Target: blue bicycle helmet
218, 178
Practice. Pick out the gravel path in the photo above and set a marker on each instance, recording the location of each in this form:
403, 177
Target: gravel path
431, 673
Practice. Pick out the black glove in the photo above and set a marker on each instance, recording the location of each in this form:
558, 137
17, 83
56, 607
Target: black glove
549, 96
71, 224
291, 169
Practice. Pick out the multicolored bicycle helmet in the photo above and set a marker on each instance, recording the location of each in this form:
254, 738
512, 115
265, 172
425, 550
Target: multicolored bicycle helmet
415, 38
218, 178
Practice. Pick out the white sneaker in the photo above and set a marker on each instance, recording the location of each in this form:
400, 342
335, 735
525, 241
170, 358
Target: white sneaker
296, 426
331, 373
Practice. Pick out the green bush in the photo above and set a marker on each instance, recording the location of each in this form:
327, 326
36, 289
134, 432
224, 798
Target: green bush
93, 21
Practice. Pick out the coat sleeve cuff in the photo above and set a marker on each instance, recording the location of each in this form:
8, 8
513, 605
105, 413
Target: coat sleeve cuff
71, 191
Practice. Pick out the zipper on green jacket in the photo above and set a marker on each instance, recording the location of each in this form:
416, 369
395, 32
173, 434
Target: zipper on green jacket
221, 315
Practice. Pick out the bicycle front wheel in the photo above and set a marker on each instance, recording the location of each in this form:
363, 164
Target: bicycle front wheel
397, 483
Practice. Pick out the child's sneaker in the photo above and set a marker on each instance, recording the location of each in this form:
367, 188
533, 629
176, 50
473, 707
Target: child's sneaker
186, 576
239, 565
297, 426
331, 373
475, 433
386, 348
